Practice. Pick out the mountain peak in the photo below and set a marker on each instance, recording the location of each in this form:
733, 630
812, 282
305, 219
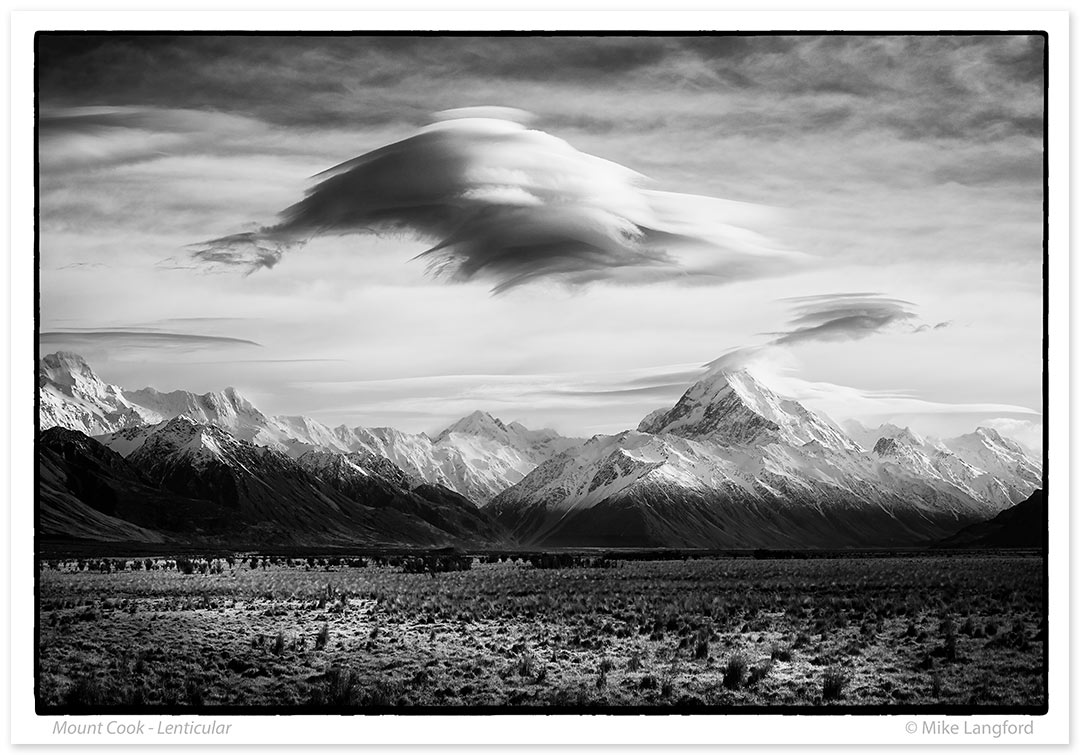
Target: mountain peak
901, 434
734, 407
65, 368
66, 358
477, 423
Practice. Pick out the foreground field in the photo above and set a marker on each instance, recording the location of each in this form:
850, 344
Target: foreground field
903, 631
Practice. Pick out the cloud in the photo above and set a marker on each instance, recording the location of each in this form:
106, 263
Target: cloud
135, 338
512, 205
843, 402
825, 317
841, 317
1027, 432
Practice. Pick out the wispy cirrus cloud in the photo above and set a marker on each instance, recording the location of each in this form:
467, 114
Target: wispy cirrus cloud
135, 338
843, 400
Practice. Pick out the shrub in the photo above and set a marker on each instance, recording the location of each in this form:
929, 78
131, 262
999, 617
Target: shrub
734, 671
339, 687
780, 653
279, 644
833, 684
383, 693
193, 692
759, 672
949, 630
322, 637
525, 665
88, 691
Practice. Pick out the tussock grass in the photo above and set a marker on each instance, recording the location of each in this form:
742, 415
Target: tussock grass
734, 671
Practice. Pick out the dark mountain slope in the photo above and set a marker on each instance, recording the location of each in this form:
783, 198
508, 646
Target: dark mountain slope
1021, 526
89, 491
378, 482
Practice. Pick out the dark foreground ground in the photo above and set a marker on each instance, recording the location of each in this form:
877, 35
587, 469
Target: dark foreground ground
904, 631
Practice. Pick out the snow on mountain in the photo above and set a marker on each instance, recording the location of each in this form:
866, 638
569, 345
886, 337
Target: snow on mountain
227, 409
74, 397
341, 467
1004, 459
535, 445
478, 456
378, 482
735, 408
734, 463
267, 497
198, 445
932, 460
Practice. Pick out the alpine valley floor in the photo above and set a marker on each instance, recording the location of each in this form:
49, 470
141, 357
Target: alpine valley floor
908, 631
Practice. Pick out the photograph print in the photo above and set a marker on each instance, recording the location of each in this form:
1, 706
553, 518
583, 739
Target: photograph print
668, 373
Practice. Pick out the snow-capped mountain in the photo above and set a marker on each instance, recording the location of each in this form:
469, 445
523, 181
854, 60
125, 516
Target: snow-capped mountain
71, 395
321, 498
1004, 459
867, 437
226, 409
733, 464
378, 482
733, 408
983, 463
535, 445
474, 464
478, 456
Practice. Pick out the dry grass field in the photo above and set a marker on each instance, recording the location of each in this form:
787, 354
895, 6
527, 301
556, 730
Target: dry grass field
904, 631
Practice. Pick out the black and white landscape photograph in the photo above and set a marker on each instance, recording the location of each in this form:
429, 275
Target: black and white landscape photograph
455, 372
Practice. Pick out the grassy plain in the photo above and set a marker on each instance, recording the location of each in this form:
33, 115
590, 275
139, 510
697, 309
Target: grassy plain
900, 631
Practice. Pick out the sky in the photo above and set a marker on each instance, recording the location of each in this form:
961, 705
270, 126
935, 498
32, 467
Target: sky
559, 230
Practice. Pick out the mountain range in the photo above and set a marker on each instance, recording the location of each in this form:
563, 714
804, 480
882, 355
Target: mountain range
477, 456
731, 465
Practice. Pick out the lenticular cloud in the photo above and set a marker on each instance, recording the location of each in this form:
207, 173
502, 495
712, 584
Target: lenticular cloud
502, 202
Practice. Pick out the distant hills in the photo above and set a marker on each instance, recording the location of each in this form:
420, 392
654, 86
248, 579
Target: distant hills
731, 465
